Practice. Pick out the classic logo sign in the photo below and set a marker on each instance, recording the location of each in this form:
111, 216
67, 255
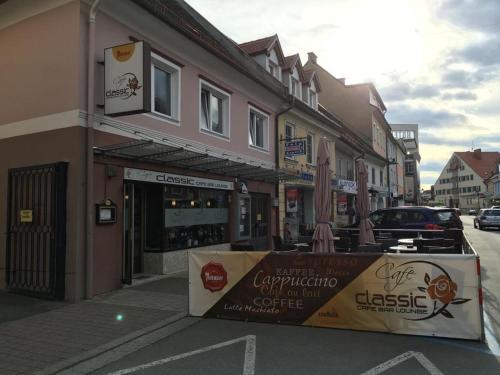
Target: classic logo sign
410, 292
127, 79
214, 276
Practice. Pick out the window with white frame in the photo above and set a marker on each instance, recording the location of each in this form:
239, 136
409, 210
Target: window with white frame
165, 87
258, 129
273, 69
289, 135
214, 109
310, 149
313, 99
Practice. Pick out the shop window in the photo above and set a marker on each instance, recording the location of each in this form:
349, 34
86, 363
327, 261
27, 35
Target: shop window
258, 129
381, 178
195, 217
165, 87
214, 110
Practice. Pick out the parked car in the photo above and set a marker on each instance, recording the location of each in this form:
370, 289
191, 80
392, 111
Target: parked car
495, 207
415, 217
487, 217
472, 212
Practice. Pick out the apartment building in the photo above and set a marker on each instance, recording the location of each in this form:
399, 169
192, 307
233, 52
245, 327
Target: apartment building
463, 182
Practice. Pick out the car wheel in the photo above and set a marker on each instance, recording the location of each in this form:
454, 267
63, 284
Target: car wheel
475, 225
480, 227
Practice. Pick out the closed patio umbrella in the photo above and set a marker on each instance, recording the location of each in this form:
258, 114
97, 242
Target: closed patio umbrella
323, 237
365, 224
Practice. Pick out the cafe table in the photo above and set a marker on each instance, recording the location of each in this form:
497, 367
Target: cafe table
404, 248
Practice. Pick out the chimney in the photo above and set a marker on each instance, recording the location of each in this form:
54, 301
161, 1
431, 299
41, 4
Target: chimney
311, 56
477, 153
341, 80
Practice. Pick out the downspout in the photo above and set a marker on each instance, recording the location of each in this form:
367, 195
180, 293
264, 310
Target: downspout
89, 228
389, 198
277, 154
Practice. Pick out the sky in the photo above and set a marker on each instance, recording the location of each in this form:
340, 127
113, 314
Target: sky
434, 62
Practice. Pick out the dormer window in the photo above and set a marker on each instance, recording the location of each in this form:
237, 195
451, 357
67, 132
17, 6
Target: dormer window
274, 69
295, 88
313, 99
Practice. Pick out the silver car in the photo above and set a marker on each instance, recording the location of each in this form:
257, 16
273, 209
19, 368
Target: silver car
487, 217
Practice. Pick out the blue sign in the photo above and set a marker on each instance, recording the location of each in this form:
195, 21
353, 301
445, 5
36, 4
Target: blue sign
293, 148
306, 176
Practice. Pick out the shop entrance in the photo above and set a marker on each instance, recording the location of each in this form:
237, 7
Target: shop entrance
143, 226
260, 220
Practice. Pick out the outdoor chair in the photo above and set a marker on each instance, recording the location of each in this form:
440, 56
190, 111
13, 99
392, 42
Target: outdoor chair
242, 247
386, 243
280, 246
440, 249
420, 243
372, 248
343, 245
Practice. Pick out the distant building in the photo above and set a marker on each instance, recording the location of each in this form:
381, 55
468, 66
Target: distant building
463, 181
407, 134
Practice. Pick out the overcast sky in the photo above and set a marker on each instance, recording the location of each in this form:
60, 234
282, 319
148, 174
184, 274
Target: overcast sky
435, 62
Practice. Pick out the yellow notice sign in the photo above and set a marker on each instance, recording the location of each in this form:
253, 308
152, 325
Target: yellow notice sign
26, 216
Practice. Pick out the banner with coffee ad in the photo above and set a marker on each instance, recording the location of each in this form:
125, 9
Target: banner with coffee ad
434, 295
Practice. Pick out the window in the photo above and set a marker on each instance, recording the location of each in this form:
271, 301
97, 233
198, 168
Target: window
295, 87
373, 176
381, 178
273, 69
289, 135
165, 87
310, 149
214, 110
471, 177
258, 129
313, 99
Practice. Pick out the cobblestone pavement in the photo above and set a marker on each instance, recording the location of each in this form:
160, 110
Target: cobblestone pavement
48, 342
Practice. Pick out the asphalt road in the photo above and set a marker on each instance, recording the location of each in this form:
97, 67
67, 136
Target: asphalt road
229, 347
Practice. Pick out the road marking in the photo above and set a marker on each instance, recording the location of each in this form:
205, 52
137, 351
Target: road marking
489, 334
248, 365
428, 365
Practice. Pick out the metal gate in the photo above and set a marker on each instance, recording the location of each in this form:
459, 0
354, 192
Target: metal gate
36, 230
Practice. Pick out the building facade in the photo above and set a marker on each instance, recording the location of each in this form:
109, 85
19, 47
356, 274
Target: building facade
463, 182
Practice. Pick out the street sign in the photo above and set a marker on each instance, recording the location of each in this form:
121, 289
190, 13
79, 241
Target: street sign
294, 148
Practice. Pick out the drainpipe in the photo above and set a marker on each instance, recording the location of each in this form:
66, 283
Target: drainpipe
277, 152
89, 228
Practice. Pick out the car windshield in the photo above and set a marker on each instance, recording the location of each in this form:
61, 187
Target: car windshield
491, 213
445, 216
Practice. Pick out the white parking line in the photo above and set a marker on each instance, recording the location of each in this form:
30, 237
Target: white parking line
491, 340
248, 365
428, 365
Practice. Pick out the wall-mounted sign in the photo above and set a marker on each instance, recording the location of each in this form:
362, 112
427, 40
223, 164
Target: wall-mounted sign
293, 148
26, 216
306, 176
175, 179
127, 79
346, 186
243, 188
105, 212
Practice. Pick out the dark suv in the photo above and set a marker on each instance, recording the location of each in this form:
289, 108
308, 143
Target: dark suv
416, 217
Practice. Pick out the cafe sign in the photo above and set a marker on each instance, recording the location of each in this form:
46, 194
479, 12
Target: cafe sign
295, 148
127, 79
176, 179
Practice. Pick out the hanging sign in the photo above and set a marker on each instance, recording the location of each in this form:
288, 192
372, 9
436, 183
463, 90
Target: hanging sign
293, 148
291, 200
127, 79
26, 216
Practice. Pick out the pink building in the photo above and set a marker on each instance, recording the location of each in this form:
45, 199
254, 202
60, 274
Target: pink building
192, 165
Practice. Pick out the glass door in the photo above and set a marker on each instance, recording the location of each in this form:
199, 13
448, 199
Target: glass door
128, 233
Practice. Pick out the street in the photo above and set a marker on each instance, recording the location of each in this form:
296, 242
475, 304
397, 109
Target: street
210, 346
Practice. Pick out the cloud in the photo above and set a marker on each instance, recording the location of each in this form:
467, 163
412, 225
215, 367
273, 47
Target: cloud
459, 78
400, 91
425, 117
461, 95
477, 15
318, 29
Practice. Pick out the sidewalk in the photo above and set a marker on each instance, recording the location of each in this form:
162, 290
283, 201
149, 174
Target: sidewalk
48, 342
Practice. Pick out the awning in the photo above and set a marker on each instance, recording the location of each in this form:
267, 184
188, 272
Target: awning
180, 157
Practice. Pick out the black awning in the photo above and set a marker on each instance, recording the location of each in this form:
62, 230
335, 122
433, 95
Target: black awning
180, 157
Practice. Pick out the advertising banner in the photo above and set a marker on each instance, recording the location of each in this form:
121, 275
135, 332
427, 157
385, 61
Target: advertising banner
291, 196
410, 294
127, 79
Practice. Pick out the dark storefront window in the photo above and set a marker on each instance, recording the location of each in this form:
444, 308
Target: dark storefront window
194, 217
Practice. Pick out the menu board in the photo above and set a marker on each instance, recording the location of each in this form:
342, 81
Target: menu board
243, 215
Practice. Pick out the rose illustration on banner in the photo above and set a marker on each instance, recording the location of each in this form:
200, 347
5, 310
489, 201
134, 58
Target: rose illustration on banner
444, 290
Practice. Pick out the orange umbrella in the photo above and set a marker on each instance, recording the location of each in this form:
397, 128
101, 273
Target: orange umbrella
323, 237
